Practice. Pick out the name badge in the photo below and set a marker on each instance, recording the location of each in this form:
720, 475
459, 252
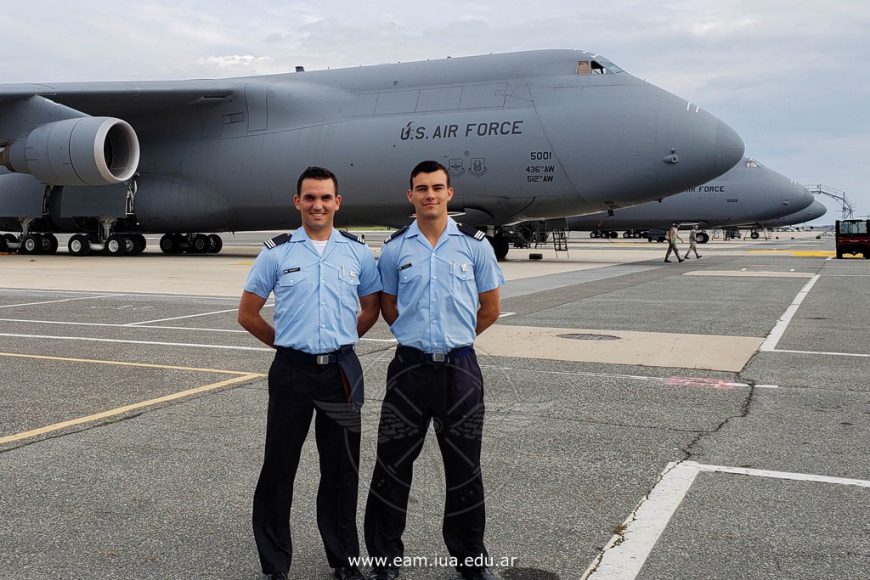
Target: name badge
405, 267
291, 270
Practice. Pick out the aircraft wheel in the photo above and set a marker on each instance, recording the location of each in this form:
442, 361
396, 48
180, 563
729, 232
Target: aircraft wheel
593, 234
500, 246
200, 244
169, 244
754, 235
78, 245
4, 247
139, 244
614, 234
49, 244
215, 244
31, 244
116, 245
702, 238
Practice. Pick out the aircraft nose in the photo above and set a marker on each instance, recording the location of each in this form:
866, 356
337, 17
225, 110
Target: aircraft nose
701, 146
729, 147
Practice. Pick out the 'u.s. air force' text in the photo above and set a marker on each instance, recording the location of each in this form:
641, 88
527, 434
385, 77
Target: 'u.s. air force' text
412, 132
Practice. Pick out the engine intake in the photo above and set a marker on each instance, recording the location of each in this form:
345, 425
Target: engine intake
81, 151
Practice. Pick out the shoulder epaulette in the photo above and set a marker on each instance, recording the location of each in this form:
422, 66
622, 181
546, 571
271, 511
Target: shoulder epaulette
396, 234
472, 232
277, 240
351, 236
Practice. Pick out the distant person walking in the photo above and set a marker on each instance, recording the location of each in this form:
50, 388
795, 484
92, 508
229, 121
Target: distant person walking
693, 240
673, 236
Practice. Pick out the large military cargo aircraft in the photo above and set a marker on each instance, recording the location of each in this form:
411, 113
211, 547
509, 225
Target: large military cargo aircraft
816, 210
529, 135
749, 193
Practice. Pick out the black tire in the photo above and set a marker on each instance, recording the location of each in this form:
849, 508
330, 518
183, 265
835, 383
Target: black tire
31, 244
200, 244
702, 238
754, 235
139, 244
116, 245
169, 244
3, 245
593, 234
50, 244
500, 245
215, 244
78, 245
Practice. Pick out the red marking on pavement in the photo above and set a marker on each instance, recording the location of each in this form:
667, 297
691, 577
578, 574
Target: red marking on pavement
702, 382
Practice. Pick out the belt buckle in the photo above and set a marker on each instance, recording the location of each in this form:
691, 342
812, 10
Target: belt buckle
439, 357
323, 359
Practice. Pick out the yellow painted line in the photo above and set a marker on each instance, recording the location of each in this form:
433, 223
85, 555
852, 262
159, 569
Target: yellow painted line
127, 408
799, 253
128, 364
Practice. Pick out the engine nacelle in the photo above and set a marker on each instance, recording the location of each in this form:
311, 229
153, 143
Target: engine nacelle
80, 151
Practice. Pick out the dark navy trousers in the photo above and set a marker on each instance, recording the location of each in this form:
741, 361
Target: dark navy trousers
450, 395
296, 392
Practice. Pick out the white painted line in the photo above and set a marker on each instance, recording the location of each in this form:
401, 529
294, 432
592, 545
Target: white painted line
859, 355
64, 300
160, 343
106, 325
778, 474
779, 329
143, 342
625, 553
608, 375
766, 386
136, 294
154, 327
506, 314
182, 317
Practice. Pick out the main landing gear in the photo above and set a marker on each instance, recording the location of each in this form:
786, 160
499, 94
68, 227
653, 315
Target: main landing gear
114, 245
191, 243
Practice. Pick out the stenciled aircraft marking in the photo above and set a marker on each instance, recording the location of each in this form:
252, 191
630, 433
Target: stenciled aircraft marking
238, 378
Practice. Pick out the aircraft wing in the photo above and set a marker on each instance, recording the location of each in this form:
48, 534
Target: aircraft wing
121, 99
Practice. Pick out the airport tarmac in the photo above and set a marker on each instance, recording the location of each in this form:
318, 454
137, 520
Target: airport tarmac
709, 419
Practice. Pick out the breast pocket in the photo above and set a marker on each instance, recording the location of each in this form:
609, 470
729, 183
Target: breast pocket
293, 281
348, 281
462, 272
407, 275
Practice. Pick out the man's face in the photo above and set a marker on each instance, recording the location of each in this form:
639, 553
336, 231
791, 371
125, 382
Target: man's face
317, 202
430, 195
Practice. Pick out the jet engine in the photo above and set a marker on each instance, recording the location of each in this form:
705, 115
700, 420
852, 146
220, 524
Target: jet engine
80, 151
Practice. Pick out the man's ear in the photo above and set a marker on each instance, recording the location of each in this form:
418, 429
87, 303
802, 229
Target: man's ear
337, 202
410, 194
296, 200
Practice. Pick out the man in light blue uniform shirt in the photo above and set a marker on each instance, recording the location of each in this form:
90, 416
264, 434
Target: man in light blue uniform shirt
326, 296
441, 289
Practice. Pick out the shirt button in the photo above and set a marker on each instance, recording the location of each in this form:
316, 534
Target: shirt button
434, 277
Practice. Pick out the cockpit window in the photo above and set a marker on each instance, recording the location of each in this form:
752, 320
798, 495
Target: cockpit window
596, 67
752, 163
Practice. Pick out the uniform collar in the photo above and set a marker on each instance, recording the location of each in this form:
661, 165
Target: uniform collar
452, 229
300, 235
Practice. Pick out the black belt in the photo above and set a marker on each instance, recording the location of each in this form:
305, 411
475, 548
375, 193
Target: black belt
326, 358
433, 357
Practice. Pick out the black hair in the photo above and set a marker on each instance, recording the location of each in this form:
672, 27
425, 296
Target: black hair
316, 173
428, 167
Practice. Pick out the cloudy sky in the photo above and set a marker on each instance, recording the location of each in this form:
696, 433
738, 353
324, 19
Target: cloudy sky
791, 76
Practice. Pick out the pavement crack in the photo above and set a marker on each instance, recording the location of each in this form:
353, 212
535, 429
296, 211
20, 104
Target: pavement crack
689, 450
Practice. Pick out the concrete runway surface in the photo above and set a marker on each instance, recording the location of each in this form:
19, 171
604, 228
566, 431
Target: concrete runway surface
709, 419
